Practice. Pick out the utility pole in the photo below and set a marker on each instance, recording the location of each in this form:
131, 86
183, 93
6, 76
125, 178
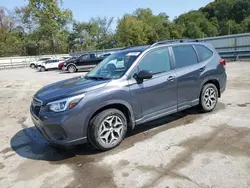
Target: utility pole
229, 28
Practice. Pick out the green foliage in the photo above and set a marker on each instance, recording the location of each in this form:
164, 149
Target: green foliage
245, 25
142, 27
46, 21
95, 34
45, 27
131, 31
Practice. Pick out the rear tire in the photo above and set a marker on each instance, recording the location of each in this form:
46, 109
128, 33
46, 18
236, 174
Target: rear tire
72, 69
107, 129
209, 97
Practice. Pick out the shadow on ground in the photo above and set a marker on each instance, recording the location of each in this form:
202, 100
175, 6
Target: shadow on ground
29, 143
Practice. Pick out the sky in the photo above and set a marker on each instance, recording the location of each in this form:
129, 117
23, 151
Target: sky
83, 10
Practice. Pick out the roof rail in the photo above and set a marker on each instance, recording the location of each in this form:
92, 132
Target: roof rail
161, 42
188, 40
173, 41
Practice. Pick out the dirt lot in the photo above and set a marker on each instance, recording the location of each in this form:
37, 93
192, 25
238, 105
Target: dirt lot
187, 149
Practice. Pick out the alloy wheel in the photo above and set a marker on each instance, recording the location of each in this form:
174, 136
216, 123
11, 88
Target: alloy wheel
111, 130
210, 98
72, 69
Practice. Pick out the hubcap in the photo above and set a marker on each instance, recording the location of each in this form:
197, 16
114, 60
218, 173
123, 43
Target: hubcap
210, 97
111, 129
71, 69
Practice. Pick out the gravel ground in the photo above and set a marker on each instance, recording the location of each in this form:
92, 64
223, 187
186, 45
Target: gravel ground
187, 149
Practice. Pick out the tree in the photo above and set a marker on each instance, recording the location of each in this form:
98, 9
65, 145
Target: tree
131, 31
196, 25
240, 10
45, 27
95, 34
230, 27
47, 20
11, 34
245, 25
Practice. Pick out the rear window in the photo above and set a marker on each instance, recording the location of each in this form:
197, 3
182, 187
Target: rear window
184, 56
204, 52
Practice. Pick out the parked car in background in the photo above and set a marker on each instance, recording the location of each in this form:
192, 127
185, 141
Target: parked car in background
153, 82
105, 55
65, 57
50, 64
83, 62
34, 64
60, 65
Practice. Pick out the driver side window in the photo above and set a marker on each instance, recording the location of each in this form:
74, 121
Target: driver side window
84, 57
156, 61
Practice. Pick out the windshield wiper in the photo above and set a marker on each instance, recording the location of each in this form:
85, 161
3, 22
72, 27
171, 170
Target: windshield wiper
96, 78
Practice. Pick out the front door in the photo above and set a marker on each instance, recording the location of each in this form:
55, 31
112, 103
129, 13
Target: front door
154, 97
54, 65
48, 64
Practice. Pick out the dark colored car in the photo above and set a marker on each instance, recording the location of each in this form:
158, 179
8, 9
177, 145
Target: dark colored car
60, 65
84, 62
150, 82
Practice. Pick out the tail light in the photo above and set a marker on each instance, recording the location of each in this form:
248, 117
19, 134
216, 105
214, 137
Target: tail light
223, 62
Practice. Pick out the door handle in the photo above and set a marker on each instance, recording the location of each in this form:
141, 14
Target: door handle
202, 69
171, 78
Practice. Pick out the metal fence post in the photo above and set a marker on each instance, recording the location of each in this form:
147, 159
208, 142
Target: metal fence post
11, 63
235, 49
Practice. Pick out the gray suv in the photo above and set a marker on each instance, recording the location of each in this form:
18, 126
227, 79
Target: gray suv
128, 88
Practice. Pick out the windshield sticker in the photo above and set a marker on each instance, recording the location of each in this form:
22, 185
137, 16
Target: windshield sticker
133, 53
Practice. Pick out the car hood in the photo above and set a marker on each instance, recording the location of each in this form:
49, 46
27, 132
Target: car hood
70, 61
67, 88
39, 62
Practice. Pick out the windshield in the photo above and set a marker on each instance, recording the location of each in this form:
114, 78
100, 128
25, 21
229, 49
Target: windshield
114, 66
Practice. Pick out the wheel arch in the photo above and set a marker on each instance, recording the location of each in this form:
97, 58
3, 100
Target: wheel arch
72, 65
211, 81
124, 107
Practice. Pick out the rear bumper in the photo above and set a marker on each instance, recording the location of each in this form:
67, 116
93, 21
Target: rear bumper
53, 130
222, 90
223, 82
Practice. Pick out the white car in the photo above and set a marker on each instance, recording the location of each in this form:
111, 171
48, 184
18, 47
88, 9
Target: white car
34, 64
121, 62
50, 64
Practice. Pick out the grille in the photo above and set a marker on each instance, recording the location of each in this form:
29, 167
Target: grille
36, 106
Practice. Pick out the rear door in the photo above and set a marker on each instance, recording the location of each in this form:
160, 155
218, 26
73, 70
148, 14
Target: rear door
188, 70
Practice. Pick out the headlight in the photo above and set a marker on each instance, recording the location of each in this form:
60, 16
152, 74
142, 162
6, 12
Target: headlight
64, 104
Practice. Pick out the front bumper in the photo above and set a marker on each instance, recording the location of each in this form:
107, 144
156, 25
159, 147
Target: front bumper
64, 68
56, 130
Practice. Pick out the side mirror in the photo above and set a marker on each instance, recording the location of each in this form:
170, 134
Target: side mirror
144, 74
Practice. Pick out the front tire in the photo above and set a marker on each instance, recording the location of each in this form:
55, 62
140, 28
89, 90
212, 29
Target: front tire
209, 97
107, 129
32, 66
72, 69
42, 69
